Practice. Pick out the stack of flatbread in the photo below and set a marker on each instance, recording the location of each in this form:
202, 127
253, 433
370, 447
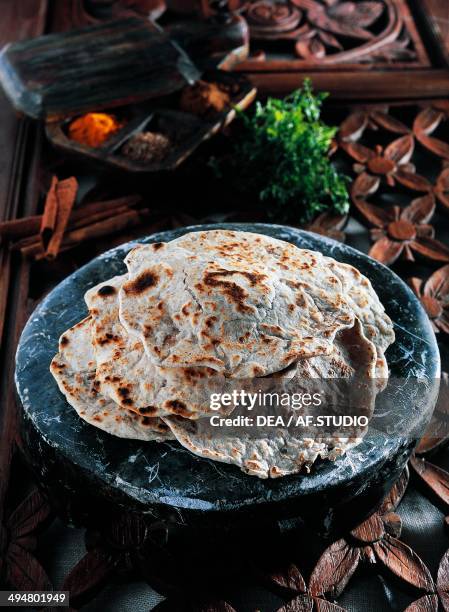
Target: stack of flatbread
208, 308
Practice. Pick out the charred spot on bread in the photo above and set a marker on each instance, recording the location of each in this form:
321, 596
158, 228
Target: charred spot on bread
148, 410
106, 290
123, 392
58, 366
177, 407
145, 280
236, 293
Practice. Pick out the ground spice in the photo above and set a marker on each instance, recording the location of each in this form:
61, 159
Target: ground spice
147, 147
93, 129
203, 97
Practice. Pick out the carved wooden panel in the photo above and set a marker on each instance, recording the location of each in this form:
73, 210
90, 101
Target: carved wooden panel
331, 32
353, 48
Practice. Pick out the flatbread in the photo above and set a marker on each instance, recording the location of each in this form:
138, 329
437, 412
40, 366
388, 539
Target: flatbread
127, 376
74, 371
216, 311
353, 354
125, 373
286, 451
365, 303
280, 454
243, 304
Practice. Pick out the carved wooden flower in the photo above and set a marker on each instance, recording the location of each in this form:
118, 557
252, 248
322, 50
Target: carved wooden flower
326, 21
314, 25
374, 543
330, 225
18, 566
391, 163
130, 546
427, 122
434, 296
403, 231
119, 548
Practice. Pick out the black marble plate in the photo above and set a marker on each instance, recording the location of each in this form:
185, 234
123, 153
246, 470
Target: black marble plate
162, 478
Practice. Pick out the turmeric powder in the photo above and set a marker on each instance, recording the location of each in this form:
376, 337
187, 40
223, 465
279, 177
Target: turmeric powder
93, 129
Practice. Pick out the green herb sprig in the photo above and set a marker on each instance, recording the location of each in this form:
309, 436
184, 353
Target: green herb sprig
282, 156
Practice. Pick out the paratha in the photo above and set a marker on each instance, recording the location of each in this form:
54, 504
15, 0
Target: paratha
273, 453
74, 370
277, 454
241, 303
216, 311
125, 373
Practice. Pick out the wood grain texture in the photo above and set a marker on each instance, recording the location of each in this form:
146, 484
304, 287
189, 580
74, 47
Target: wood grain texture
64, 74
436, 12
20, 20
345, 85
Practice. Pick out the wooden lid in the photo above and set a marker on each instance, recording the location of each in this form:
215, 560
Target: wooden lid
98, 67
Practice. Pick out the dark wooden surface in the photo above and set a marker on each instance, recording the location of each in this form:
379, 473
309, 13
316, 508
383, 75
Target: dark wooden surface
19, 156
119, 547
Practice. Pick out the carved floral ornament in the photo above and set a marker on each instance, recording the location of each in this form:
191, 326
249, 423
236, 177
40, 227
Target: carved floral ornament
387, 190
127, 548
332, 31
434, 296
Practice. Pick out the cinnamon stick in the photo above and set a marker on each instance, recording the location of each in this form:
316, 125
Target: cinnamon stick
108, 205
48, 222
19, 228
66, 194
105, 227
33, 242
30, 226
94, 218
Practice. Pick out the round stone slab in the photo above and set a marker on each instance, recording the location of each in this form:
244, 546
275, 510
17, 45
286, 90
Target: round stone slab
163, 479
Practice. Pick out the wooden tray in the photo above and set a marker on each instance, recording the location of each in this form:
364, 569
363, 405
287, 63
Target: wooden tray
187, 130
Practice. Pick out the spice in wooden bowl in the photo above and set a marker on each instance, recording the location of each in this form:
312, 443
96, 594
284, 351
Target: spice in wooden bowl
203, 98
93, 129
147, 147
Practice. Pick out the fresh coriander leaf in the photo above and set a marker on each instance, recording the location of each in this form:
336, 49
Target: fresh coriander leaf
282, 156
